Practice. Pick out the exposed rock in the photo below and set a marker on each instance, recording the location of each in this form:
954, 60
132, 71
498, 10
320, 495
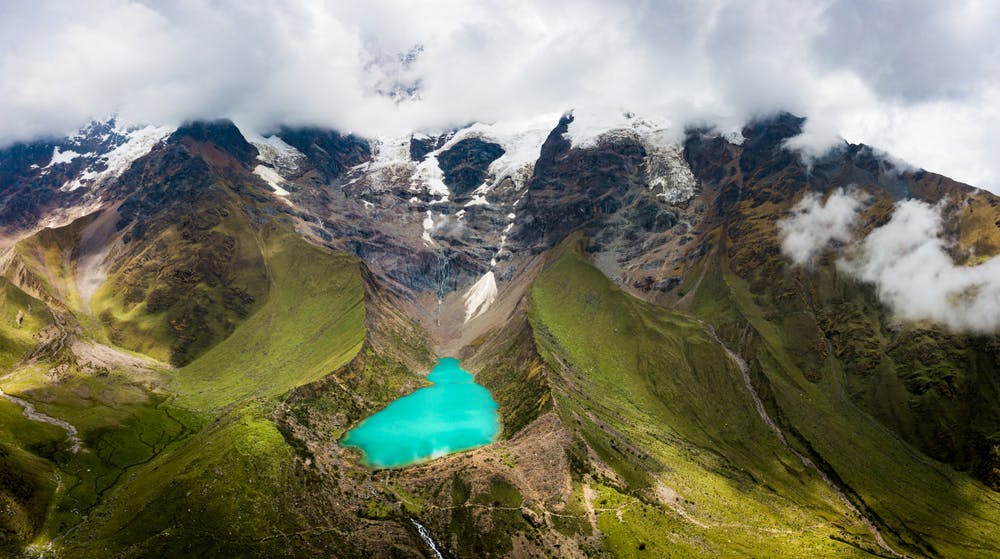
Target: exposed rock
465, 163
328, 151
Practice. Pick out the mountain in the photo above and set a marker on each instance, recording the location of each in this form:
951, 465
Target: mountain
192, 318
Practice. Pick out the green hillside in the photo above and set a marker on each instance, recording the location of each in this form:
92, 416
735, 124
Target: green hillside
694, 469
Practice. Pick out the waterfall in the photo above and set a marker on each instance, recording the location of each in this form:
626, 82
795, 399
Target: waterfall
426, 536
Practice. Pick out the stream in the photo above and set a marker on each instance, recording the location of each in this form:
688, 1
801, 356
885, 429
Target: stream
426, 536
806, 461
34, 415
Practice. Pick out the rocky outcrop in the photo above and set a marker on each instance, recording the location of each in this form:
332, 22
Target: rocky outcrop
465, 163
328, 151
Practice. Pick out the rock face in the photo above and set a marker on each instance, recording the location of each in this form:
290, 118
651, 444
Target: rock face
327, 151
222, 135
465, 164
420, 146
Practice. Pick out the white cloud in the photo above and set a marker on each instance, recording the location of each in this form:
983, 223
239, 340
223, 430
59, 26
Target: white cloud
815, 224
908, 262
919, 80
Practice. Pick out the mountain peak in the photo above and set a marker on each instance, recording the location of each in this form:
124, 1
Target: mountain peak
220, 132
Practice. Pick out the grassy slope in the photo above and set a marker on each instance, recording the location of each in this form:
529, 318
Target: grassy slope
224, 490
187, 286
27, 481
311, 324
47, 259
17, 337
660, 403
140, 446
926, 506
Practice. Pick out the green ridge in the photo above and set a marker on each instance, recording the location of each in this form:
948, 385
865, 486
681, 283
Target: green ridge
660, 402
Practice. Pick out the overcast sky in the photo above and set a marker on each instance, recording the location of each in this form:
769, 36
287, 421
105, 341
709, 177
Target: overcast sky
919, 79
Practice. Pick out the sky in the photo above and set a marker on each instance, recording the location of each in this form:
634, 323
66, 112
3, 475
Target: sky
918, 79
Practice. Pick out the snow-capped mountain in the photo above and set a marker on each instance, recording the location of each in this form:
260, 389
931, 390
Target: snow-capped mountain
675, 324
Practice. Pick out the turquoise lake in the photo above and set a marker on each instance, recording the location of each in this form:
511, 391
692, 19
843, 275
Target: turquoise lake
451, 415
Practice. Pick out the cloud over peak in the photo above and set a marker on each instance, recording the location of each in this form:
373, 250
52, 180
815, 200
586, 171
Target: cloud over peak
918, 79
906, 260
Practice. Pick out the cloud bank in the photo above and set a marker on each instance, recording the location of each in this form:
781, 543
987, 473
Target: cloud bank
905, 259
917, 79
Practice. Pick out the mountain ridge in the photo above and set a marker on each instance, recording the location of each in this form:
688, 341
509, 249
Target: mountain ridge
628, 426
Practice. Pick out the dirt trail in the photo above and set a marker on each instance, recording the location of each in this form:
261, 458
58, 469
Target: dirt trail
806, 461
33, 414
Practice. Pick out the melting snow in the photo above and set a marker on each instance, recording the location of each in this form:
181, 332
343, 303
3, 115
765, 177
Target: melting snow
590, 126
428, 224
667, 170
60, 157
388, 151
522, 144
429, 174
477, 200
276, 153
272, 178
390, 164
665, 166
139, 143
480, 296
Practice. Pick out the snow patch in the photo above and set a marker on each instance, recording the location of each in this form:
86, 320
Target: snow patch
429, 175
271, 177
276, 153
664, 164
667, 170
389, 151
428, 224
734, 137
60, 157
522, 144
390, 165
139, 143
477, 200
590, 127
480, 296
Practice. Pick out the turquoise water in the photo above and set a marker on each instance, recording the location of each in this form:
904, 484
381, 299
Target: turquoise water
453, 414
